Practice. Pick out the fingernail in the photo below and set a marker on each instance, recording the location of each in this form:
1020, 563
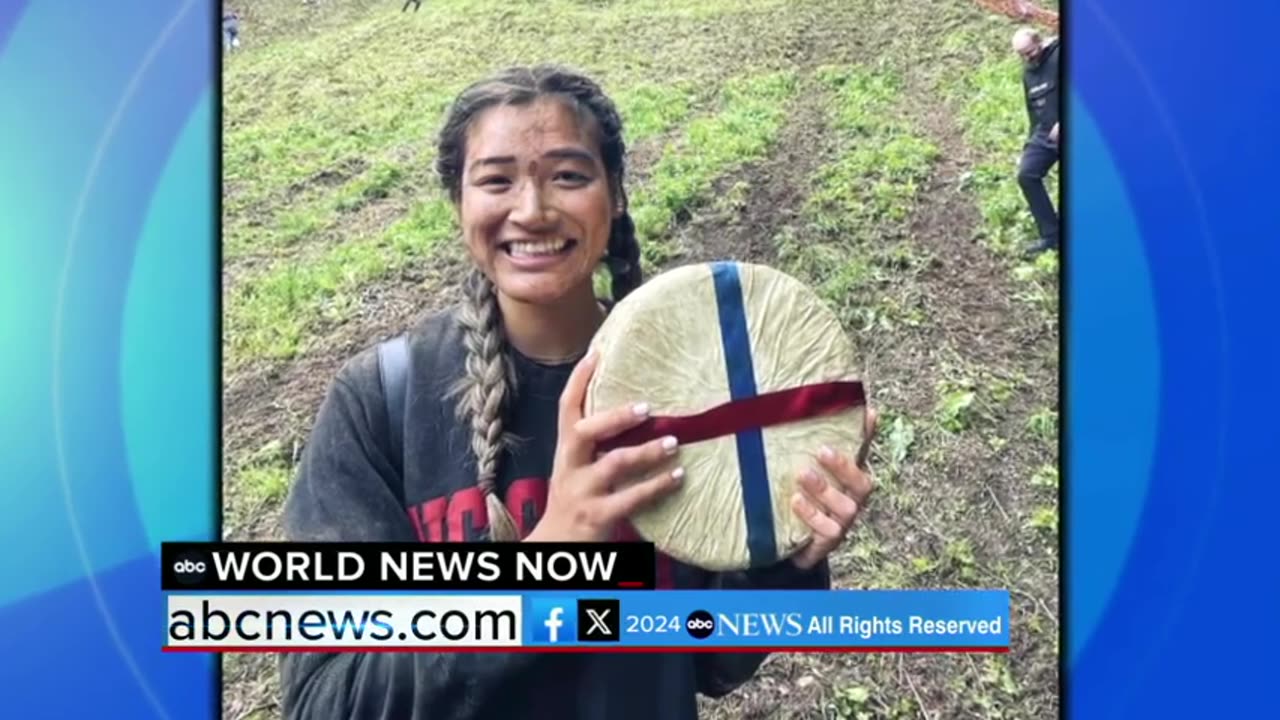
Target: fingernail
640, 409
669, 444
677, 474
827, 453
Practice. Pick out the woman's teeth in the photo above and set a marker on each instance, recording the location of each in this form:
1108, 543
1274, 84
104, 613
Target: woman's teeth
539, 247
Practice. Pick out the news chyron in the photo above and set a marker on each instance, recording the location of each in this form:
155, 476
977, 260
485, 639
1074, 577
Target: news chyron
279, 597
272, 597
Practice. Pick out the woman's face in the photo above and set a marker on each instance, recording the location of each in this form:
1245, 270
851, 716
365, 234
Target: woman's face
536, 206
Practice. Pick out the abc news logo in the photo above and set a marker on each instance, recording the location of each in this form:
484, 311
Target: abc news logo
190, 568
700, 624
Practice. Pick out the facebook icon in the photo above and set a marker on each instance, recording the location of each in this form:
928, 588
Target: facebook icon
552, 621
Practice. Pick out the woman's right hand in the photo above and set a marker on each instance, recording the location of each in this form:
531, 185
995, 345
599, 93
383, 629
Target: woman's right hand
588, 495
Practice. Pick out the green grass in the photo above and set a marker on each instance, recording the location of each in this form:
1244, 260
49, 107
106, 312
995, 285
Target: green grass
376, 184
305, 154
294, 225
262, 476
860, 197
874, 182
290, 154
305, 140
270, 316
648, 110
883, 159
995, 125
267, 483
743, 129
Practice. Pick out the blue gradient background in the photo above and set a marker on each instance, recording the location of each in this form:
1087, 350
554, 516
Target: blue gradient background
107, 395
107, 315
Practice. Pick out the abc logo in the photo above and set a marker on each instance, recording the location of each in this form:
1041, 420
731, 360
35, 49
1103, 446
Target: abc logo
700, 624
190, 568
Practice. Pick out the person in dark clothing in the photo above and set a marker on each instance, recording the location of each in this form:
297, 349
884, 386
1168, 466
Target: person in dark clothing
417, 5
230, 30
495, 445
1041, 151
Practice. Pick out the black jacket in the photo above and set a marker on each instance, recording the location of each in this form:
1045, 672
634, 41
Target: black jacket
1040, 83
348, 489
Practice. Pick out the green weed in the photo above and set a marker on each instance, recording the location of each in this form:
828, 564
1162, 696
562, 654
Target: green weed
853, 703
899, 436
995, 693
1002, 389
1044, 518
1044, 424
955, 409
1046, 477
956, 562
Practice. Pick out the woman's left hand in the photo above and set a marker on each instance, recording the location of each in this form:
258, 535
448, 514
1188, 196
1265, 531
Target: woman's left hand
830, 510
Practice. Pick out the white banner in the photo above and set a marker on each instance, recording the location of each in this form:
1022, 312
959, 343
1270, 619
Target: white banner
221, 622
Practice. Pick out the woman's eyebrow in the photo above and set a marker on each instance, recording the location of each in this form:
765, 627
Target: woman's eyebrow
495, 160
566, 153
570, 153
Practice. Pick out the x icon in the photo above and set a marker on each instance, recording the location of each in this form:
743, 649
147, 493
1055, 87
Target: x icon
598, 625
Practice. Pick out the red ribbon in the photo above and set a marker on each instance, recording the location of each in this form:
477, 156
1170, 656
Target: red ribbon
760, 411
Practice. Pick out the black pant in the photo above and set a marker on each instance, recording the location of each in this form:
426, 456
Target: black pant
1036, 161
417, 5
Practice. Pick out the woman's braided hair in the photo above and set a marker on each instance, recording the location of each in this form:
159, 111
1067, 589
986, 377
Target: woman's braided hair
489, 378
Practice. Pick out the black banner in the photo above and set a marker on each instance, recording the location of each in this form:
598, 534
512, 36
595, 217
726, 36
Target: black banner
407, 566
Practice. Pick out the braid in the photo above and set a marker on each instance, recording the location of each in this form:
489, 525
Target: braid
484, 388
624, 256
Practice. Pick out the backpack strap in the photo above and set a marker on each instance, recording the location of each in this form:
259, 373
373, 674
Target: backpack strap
393, 368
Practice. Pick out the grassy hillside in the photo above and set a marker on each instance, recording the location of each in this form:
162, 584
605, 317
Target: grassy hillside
866, 146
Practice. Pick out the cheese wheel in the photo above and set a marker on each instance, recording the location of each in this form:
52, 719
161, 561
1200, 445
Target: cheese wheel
754, 374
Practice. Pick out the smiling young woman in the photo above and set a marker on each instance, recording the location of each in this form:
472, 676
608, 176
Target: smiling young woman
495, 444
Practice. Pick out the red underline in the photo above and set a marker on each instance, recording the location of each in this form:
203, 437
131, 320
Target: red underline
602, 648
759, 411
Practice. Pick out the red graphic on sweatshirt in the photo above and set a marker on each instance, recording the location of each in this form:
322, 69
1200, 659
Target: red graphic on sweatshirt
462, 517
